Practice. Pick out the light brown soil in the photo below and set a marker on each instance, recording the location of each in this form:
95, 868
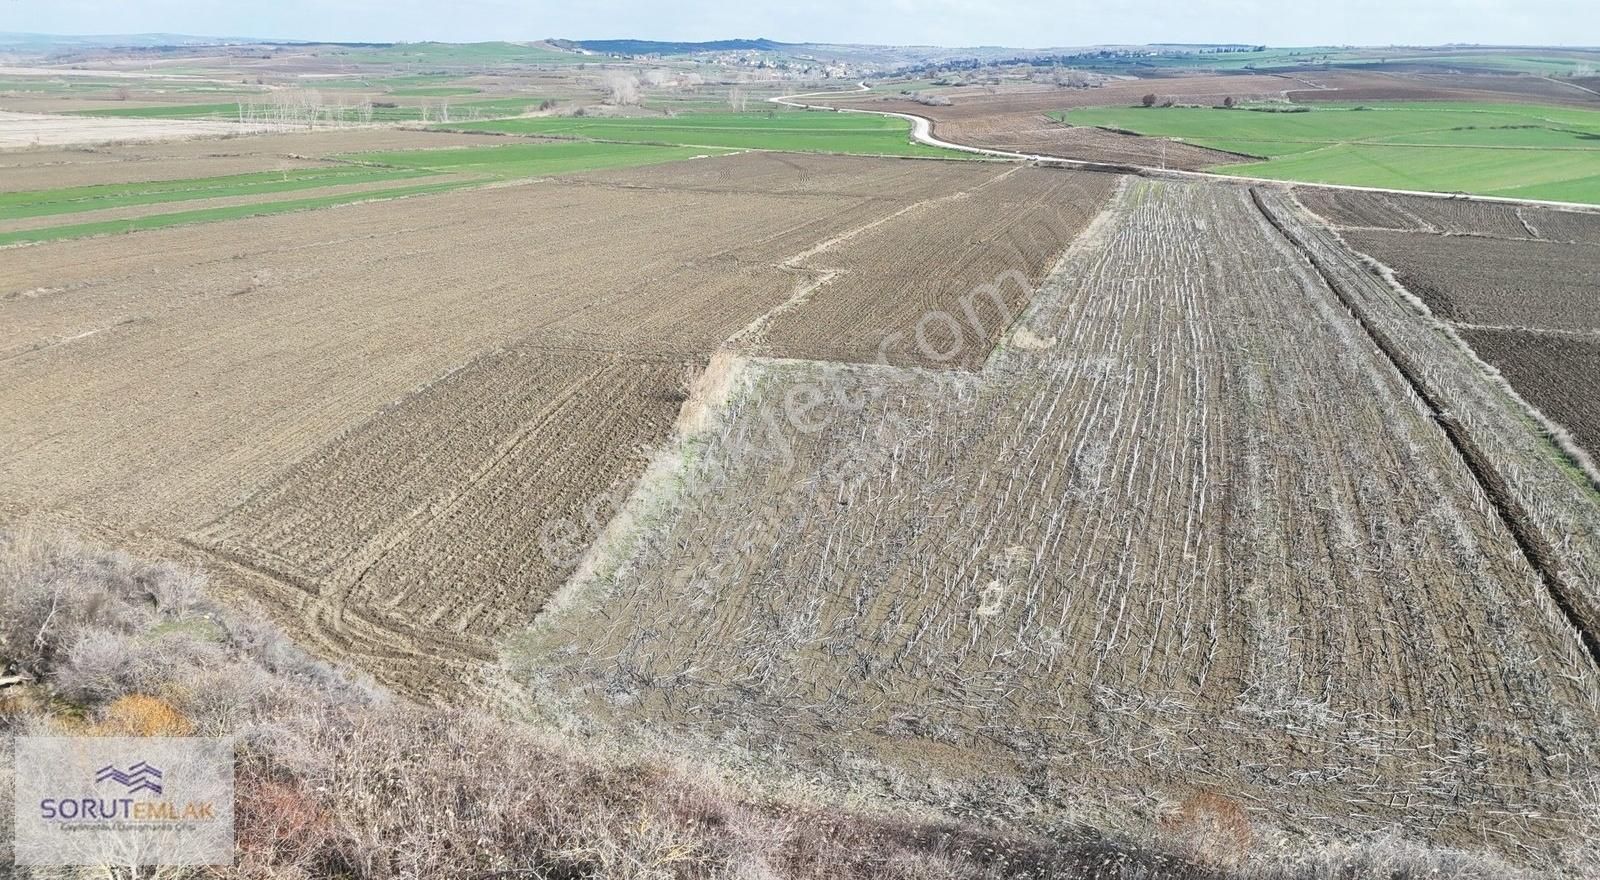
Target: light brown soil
1043, 137
936, 286
258, 366
25, 130
132, 163
1189, 532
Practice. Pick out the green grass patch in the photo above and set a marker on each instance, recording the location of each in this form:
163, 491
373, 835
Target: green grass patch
798, 131
211, 215
68, 200
433, 91
477, 165
532, 160
1522, 150
410, 111
1559, 176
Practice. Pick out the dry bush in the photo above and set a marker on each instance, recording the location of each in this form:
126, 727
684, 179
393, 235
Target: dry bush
1212, 828
333, 780
142, 715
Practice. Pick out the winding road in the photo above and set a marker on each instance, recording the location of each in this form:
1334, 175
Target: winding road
922, 132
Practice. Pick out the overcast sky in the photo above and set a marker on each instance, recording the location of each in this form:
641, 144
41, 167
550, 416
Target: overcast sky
1023, 23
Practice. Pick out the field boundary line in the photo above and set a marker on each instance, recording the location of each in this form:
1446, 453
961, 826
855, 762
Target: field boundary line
1536, 550
751, 334
1518, 328
1092, 236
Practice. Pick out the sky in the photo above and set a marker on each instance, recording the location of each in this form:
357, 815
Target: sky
1020, 23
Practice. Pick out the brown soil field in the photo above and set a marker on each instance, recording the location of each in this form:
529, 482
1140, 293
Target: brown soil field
938, 285
266, 371
1419, 213
1043, 137
1526, 306
1016, 119
800, 173
1557, 373
1574, 226
1189, 531
48, 168
973, 102
1494, 282
455, 512
1369, 210
1355, 85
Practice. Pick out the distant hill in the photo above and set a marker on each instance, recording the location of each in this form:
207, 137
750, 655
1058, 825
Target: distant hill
13, 40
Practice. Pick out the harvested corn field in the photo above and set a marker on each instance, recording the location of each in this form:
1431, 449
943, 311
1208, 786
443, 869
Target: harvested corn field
1189, 531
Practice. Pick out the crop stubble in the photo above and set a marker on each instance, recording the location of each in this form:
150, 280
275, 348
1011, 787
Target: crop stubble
1191, 532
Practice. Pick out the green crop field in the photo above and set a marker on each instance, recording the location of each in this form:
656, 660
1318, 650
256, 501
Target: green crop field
1519, 150
211, 215
532, 160
793, 130
412, 111
469, 166
433, 91
69, 200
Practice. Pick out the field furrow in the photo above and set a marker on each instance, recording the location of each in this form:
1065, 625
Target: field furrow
1187, 531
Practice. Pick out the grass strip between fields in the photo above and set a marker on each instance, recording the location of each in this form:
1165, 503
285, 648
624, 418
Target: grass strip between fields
69, 200
476, 165
211, 215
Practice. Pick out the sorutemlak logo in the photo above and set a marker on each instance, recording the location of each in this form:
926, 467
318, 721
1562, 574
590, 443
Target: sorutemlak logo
139, 777
123, 801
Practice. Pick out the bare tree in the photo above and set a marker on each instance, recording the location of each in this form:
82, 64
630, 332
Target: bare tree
736, 99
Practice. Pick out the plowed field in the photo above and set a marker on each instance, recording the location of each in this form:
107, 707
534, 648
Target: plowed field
376, 416
1190, 530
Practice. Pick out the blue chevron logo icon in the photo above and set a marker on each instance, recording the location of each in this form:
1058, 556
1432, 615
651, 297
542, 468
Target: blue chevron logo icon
139, 777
